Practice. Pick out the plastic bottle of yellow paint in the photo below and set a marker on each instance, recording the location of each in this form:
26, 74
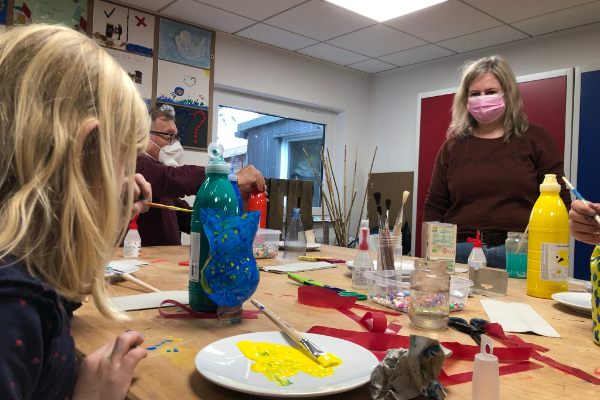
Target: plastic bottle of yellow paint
548, 252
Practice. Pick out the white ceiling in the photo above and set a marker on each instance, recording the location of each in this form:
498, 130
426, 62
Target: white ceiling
321, 30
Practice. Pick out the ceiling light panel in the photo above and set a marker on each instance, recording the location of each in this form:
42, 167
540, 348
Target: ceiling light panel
382, 10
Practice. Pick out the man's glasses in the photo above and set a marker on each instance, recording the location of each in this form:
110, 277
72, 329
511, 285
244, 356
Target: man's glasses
172, 137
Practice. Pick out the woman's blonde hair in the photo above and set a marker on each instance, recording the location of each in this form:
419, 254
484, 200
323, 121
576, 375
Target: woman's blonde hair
65, 196
514, 119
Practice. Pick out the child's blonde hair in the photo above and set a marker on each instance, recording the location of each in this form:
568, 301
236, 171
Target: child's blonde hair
63, 203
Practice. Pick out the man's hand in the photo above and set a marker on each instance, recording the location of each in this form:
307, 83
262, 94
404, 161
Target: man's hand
583, 225
250, 179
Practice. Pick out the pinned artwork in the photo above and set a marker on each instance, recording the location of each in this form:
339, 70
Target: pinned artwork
3, 13
67, 12
140, 38
110, 25
184, 44
139, 69
192, 125
182, 85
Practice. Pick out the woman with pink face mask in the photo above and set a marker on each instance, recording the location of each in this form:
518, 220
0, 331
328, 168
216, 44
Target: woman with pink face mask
487, 173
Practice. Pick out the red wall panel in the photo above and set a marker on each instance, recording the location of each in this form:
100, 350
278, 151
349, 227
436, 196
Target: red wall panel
544, 102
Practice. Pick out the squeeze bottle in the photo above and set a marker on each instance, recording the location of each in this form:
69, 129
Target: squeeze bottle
132, 246
548, 251
363, 261
258, 202
233, 179
477, 257
215, 192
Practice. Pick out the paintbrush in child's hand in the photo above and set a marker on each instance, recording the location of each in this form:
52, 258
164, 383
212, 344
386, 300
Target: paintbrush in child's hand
156, 205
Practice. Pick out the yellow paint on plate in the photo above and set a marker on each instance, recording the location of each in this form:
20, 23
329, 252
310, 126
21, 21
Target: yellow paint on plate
278, 362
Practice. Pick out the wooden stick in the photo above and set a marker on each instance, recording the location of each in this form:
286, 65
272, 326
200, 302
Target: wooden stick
345, 209
521, 242
350, 214
332, 196
366, 191
323, 216
334, 180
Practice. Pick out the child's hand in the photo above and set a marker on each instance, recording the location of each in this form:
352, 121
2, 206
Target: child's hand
106, 374
583, 226
142, 195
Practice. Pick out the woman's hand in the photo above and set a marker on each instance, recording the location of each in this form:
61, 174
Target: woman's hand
106, 374
583, 225
142, 195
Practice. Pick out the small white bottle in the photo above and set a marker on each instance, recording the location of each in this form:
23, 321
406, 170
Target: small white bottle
363, 261
476, 258
132, 247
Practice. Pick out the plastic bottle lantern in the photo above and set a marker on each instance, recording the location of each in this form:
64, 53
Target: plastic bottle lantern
258, 202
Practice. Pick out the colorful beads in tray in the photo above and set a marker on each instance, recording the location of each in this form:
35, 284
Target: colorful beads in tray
264, 250
400, 301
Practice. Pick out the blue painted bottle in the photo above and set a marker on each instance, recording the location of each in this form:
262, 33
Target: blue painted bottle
233, 179
215, 192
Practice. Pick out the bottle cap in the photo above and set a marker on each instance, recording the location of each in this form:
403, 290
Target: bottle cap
216, 164
232, 177
476, 242
364, 239
486, 376
364, 223
550, 184
133, 224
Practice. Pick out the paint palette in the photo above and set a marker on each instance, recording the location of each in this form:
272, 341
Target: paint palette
223, 363
579, 302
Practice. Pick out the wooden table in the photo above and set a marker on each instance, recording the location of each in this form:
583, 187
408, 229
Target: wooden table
173, 375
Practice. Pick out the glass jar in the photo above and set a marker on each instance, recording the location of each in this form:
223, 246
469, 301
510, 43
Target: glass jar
295, 238
429, 306
516, 255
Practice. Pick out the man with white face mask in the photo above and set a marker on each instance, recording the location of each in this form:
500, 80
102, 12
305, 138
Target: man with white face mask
161, 165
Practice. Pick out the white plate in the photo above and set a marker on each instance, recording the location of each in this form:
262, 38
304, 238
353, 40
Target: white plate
309, 246
223, 363
580, 302
407, 266
121, 266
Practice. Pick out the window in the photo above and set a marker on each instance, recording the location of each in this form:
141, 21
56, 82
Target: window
273, 145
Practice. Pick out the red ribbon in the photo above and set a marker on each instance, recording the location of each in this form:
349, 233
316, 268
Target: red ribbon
317, 296
246, 314
514, 341
449, 380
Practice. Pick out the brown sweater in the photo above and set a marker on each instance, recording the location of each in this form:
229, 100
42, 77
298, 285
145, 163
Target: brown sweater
486, 184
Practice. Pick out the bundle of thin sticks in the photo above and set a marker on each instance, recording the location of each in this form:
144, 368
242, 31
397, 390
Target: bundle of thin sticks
330, 195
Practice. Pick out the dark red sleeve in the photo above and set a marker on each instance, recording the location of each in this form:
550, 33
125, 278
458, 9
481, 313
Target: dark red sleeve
184, 219
550, 161
170, 182
438, 201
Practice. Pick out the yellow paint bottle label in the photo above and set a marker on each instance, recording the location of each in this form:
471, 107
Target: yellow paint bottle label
548, 246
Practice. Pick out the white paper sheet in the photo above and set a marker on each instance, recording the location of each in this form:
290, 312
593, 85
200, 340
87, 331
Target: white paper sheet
298, 267
517, 317
149, 300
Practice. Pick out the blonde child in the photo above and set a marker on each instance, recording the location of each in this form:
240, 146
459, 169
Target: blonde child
71, 126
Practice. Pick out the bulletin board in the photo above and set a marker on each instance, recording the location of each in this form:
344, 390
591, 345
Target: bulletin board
544, 103
586, 160
169, 62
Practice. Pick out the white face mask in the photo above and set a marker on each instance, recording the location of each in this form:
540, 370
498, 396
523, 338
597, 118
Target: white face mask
170, 155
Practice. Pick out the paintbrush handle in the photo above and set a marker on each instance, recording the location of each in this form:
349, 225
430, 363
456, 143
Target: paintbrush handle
156, 205
130, 278
284, 326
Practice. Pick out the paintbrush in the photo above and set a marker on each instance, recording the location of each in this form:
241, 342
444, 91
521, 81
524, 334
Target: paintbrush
156, 205
521, 241
388, 204
130, 278
398, 225
377, 197
319, 355
580, 197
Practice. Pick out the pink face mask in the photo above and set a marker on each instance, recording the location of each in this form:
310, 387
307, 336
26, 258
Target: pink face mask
486, 109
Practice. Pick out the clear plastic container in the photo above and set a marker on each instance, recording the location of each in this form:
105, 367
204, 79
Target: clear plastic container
389, 253
385, 287
295, 238
266, 243
516, 255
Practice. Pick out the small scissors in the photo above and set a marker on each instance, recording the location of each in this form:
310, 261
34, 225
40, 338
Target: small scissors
475, 328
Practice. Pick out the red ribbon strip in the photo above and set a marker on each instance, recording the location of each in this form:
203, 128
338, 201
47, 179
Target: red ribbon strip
246, 314
449, 380
512, 340
325, 298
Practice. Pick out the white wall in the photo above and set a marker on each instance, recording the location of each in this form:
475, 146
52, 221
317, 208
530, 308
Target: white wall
394, 93
248, 67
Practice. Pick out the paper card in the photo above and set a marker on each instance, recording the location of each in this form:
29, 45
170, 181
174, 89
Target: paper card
139, 69
184, 44
67, 12
110, 25
299, 267
149, 300
182, 85
140, 37
517, 317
